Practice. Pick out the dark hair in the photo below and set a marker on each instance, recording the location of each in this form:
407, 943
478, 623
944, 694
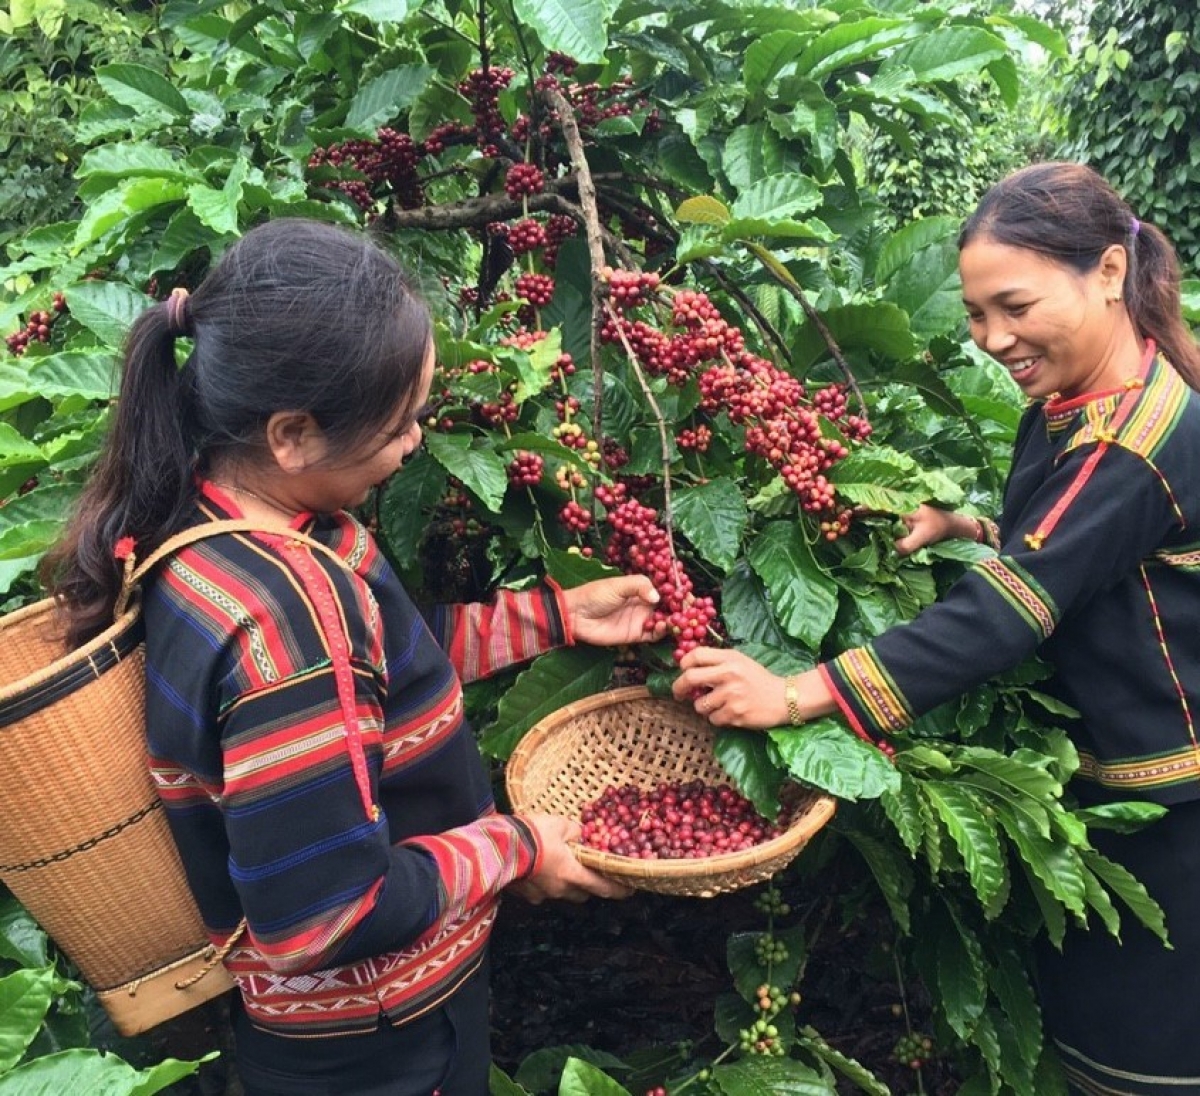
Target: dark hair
297, 315
1071, 215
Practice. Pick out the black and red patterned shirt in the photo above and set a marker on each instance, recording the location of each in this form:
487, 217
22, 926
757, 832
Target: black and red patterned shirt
307, 737
1098, 570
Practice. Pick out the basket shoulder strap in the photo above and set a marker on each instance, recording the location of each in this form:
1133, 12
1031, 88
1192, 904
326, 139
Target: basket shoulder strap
182, 539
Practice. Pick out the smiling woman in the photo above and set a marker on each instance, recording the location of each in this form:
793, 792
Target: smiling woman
1052, 328
1097, 569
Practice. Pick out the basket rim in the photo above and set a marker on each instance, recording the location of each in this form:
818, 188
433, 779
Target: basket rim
820, 808
68, 665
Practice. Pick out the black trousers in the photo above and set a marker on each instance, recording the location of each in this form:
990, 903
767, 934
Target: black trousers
446, 1052
1125, 1016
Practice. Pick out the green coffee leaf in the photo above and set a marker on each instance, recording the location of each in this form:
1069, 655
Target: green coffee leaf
25, 997
1009, 981
541, 1070
1127, 817
856, 1073
826, 755
407, 497
961, 970
974, 833
1121, 881
473, 461
713, 517
93, 374
903, 809
1056, 865
756, 1075
141, 88
745, 757
382, 99
893, 873
578, 28
803, 596
552, 681
581, 1078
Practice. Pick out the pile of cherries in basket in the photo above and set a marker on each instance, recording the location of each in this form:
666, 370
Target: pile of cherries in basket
685, 821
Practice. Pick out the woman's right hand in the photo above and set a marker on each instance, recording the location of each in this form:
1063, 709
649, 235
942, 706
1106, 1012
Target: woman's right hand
928, 525
559, 874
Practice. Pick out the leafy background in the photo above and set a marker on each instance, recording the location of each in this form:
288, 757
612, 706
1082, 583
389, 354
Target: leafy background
806, 168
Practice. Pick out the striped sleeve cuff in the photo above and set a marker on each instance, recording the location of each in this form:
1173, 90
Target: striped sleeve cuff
476, 862
515, 627
866, 694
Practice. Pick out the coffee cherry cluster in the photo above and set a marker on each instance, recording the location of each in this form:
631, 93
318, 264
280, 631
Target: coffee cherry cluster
525, 469
913, 1050
639, 545
574, 517
389, 162
524, 179
537, 289
37, 327
769, 950
761, 1037
701, 336
784, 429
783, 425
594, 103
688, 821
482, 88
559, 228
771, 1000
695, 440
446, 134
831, 402
525, 236
771, 903
629, 287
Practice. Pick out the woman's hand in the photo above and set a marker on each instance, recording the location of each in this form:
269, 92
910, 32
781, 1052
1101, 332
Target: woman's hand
928, 525
559, 874
730, 689
612, 611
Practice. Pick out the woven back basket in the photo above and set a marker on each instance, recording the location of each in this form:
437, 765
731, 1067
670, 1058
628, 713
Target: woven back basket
84, 842
628, 736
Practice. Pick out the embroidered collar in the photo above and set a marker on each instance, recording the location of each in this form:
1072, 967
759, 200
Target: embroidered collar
1060, 414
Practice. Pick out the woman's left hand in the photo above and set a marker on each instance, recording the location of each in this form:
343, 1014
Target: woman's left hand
612, 611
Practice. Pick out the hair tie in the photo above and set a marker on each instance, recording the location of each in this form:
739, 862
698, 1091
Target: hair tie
1135, 226
179, 320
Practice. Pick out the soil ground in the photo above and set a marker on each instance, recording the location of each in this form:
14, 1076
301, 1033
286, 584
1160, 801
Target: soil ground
623, 977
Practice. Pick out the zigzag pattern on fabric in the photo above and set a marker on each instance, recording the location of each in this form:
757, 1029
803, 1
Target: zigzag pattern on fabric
1022, 592
874, 689
402, 984
1185, 559
1180, 766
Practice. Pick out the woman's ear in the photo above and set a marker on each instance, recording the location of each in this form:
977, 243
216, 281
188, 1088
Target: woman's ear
1113, 264
295, 440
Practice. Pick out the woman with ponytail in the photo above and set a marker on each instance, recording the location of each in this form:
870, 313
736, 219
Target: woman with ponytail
305, 720
1096, 569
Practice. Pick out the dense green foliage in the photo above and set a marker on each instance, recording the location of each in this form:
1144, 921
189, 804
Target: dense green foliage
1129, 109
945, 171
724, 145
